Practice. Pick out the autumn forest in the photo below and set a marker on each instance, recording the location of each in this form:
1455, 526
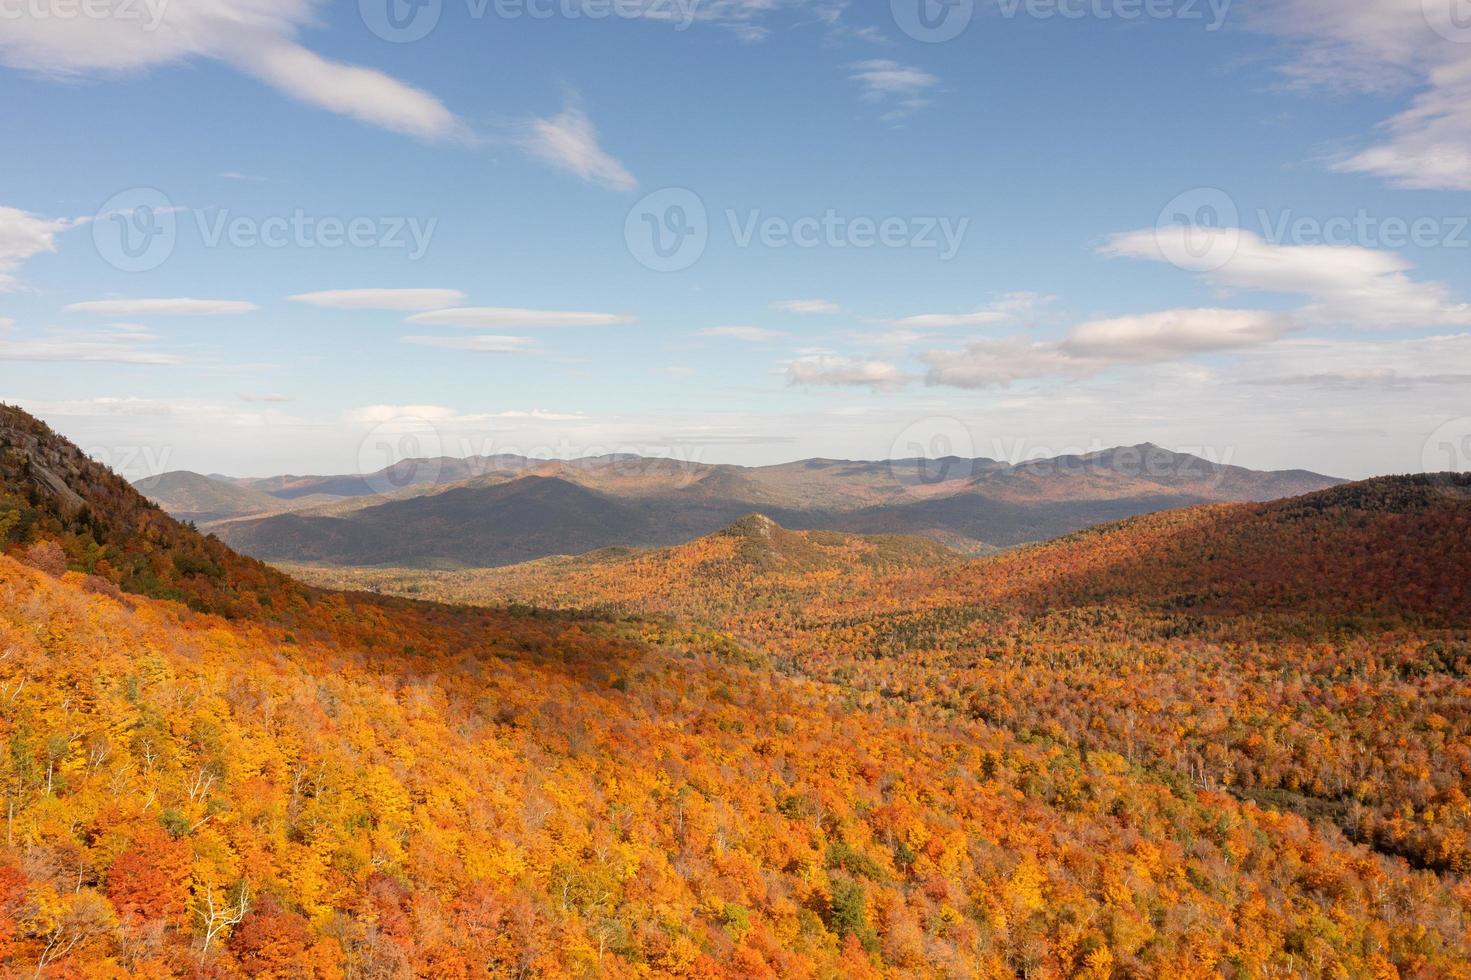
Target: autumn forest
1221, 741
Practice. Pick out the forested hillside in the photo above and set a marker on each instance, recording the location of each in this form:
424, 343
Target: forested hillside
1312, 653
327, 786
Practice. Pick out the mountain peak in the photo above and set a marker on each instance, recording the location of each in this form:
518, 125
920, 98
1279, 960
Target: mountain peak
50, 489
753, 526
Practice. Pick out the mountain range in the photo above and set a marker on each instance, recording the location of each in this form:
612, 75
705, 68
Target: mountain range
493, 511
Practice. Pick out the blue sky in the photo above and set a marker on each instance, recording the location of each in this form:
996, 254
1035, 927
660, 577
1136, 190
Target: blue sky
1238, 229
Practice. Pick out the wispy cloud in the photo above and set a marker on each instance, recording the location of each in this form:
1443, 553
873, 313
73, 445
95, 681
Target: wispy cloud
476, 344
806, 307
1386, 45
255, 36
382, 299
501, 316
23, 235
901, 88
1346, 285
752, 335
569, 142
832, 370
115, 344
181, 306
1098, 345
1007, 309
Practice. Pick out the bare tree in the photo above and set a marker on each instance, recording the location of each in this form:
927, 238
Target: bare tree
217, 916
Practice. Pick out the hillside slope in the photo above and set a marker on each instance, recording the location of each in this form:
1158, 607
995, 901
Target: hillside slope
392, 789
1312, 653
1390, 549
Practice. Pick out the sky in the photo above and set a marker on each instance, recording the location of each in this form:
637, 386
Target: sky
265, 236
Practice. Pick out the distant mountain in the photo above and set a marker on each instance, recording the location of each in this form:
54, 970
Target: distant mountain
512, 509
1347, 558
194, 497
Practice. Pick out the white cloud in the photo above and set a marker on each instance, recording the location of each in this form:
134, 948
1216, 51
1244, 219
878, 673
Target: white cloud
836, 371
106, 406
569, 142
382, 299
889, 83
477, 344
379, 414
752, 335
1345, 364
376, 414
997, 362
808, 306
541, 415
1362, 379
1382, 45
266, 398
1172, 333
1346, 285
1097, 345
255, 36
882, 78
23, 235
1008, 308
162, 307
350, 90
116, 344
743, 17
500, 316
935, 321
